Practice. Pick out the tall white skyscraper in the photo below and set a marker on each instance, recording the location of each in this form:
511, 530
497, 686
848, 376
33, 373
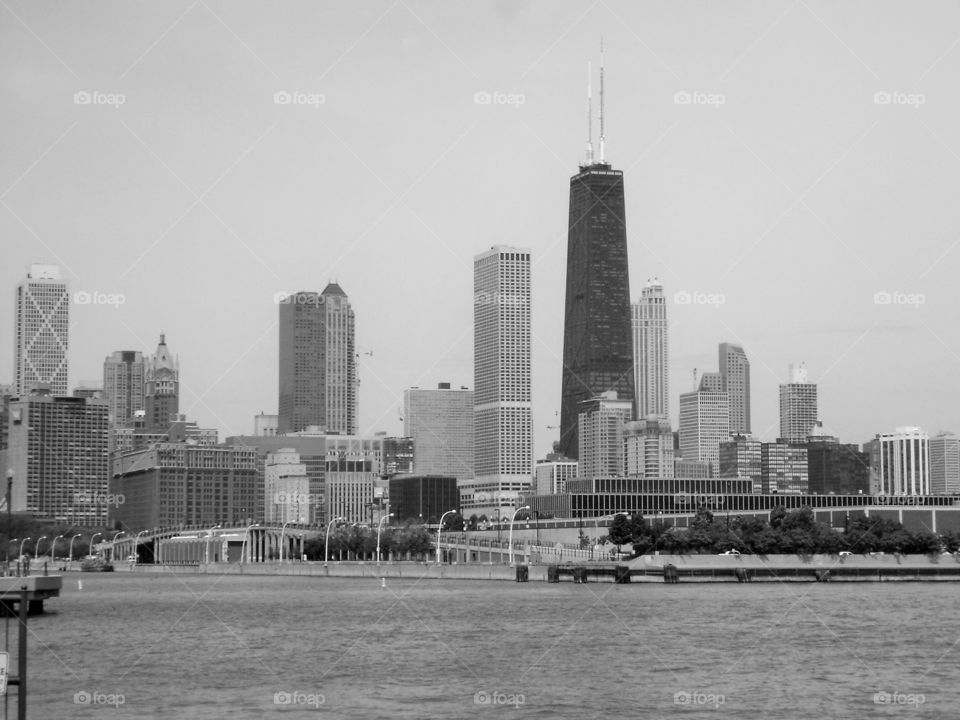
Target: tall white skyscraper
651, 355
704, 423
945, 464
503, 426
40, 332
601, 432
735, 379
798, 406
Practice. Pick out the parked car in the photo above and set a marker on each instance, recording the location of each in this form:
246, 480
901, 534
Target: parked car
731, 551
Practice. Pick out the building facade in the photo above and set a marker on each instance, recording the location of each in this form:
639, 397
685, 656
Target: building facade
169, 484
945, 464
651, 353
423, 498
648, 449
597, 332
798, 406
503, 415
783, 469
440, 423
318, 371
740, 458
57, 450
704, 423
735, 381
286, 488
399, 456
265, 425
904, 462
41, 337
601, 433
836, 469
124, 374
553, 474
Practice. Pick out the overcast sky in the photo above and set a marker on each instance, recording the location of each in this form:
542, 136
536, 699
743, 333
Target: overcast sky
779, 200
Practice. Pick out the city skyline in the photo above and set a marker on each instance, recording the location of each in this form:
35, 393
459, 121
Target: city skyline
737, 173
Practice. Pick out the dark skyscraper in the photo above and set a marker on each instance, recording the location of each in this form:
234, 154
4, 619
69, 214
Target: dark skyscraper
597, 330
318, 372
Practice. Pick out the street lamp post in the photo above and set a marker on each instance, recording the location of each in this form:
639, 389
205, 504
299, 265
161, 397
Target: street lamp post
440, 530
70, 554
53, 549
9, 508
326, 542
512, 518
113, 545
6, 568
136, 544
20, 554
245, 550
207, 543
36, 549
379, 528
92, 538
282, 530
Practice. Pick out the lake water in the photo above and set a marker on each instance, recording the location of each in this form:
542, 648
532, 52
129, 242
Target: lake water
146, 646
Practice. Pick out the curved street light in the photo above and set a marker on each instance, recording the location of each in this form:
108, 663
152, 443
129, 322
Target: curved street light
92, 538
70, 554
379, 528
245, 549
20, 554
53, 548
36, 549
326, 543
136, 544
282, 530
512, 518
440, 530
113, 545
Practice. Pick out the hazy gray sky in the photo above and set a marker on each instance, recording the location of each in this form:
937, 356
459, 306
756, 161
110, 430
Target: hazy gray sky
786, 188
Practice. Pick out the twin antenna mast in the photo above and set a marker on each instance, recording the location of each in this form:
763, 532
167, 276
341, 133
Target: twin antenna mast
603, 137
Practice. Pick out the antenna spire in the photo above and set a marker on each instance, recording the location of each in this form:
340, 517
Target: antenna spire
603, 136
589, 114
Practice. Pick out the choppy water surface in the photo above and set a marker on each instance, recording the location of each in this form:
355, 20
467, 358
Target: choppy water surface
202, 647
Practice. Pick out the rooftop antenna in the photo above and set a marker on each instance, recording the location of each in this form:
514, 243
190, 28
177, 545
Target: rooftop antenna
589, 115
602, 135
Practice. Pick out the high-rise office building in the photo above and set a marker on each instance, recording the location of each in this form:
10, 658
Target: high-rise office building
601, 432
648, 449
161, 381
286, 488
740, 458
783, 468
904, 462
735, 381
318, 370
551, 475
123, 385
597, 337
798, 406
704, 423
834, 468
503, 425
440, 422
59, 457
41, 332
945, 464
399, 454
651, 354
